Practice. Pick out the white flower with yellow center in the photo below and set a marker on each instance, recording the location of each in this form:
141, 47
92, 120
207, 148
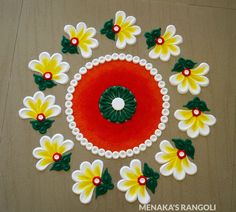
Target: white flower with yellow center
190, 78
134, 182
52, 150
175, 161
91, 177
163, 46
39, 107
51, 67
122, 30
194, 120
82, 37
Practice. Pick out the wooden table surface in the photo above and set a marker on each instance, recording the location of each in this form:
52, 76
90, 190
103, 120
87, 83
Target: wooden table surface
29, 27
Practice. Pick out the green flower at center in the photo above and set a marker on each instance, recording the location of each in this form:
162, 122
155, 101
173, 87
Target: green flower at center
117, 104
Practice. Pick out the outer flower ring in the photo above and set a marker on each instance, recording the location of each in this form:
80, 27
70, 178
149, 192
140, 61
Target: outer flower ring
117, 104
101, 136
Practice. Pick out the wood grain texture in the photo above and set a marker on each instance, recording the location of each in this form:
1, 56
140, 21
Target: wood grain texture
30, 27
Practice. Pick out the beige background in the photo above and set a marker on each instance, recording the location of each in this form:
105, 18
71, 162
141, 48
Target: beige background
29, 27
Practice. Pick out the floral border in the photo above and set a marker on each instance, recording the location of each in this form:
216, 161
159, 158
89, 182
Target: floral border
123, 153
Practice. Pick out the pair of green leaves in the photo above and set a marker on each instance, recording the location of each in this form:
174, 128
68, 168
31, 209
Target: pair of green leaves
42, 126
63, 164
151, 176
43, 83
67, 47
197, 103
185, 145
105, 185
107, 30
151, 37
183, 64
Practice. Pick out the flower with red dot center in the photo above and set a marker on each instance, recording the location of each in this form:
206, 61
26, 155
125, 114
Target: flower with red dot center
196, 112
40, 117
186, 72
116, 28
57, 156
142, 180
160, 40
74, 41
181, 154
97, 181
47, 75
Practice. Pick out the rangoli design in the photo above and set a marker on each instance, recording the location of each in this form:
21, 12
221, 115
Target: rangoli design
40, 109
50, 70
122, 30
116, 106
91, 177
53, 151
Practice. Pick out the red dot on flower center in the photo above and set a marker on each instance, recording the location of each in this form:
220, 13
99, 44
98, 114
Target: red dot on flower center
40, 117
116, 28
142, 180
47, 75
186, 72
97, 180
57, 156
196, 112
160, 40
181, 154
74, 41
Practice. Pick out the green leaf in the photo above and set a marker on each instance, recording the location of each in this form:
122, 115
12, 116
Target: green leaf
189, 64
185, 145
178, 67
62, 164
43, 83
182, 64
151, 184
107, 30
156, 33
42, 126
108, 24
106, 177
149, 172
197, 103
100, 190
67, 47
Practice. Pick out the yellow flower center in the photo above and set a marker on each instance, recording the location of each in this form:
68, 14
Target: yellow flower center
186, 72
97, 180
160, 40
40, 117
142, 180
181, 154
74, 41
47, 75
116, 28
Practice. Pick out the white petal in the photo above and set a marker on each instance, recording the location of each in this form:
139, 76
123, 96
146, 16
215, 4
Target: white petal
58, 138
75, 188
36, 152
164, 171
193, 134
64, 67
137, 31
56, 111
129, 197
97, 166
175, 53
183, 114
118, 14
165, 57
135, 164
211, 120
159, 157
165, 145
131, 20
44, 55
61, 78
32, 65
57, 57
191, 169
41, 167
43, 141
179, 175
195, 91
50, 99
86, 54
120, 45
183, 88
85, 165
39, 95
68, 29
86, 199
171, 30
176, 79
94, 43
68, 144
131, 40
144, 199
205, 130
26, 101
121, 185
203, 66
178, 38
92, 31
23, 113
80, 26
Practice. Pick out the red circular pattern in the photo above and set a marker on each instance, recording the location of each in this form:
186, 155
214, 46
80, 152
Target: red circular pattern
40, 117
47, 75
142, 180
186, 72
116, 28
57, 156
181, 154
74, 41
97, 180
160, 40
103, 133
196, 112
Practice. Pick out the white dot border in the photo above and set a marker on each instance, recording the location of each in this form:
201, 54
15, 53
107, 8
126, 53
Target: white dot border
123, 153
